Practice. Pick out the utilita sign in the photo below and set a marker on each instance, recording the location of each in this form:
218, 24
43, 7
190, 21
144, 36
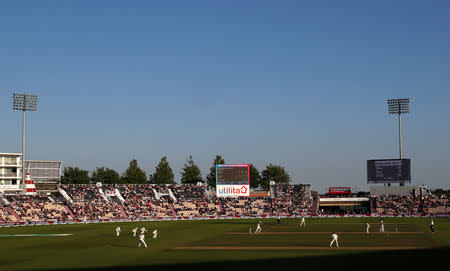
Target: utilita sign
240, 190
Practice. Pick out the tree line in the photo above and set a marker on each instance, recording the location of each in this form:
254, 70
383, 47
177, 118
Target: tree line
163, 174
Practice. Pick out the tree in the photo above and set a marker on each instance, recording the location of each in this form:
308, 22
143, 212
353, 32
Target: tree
211, 177
163, 173
190, 172
105, 175
255, 177
274, 173
134, 174
75, 175
363, 194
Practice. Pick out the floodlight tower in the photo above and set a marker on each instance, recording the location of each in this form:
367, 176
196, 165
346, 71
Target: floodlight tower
24, 102
399, 107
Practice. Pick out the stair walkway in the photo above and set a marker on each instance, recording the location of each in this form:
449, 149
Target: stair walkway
122, 212
64, 194
172, 208
69, 211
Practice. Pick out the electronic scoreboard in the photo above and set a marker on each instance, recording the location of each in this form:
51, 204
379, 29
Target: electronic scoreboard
233, 180
389, 171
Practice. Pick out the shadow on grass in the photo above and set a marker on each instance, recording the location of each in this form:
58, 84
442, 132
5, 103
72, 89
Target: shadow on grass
431, 259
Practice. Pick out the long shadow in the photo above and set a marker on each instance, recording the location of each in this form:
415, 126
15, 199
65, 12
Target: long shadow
427, 259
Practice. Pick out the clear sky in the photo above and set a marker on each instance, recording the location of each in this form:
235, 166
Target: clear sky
302, 84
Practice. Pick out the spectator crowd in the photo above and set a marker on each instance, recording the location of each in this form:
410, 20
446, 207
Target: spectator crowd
150, 201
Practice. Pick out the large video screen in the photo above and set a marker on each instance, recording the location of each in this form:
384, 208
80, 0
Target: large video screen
389, 171
233, 180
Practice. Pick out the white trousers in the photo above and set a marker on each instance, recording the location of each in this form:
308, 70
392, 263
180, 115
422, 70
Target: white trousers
258, 230
334, 240
143, 242
302, 223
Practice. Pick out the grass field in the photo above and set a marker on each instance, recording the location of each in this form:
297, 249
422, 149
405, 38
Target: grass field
227, 244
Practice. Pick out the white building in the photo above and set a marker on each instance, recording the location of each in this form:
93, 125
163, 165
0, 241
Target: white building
10, 171
46, 174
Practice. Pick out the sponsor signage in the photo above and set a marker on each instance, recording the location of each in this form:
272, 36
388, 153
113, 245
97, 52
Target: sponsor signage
233, 180
233, 191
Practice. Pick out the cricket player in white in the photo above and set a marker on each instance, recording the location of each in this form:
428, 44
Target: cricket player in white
258, 228
334, 238
143, 230
432, 226
155, 234
367, 227
118, 231
381, 225
302, 223
135, 231
142, 240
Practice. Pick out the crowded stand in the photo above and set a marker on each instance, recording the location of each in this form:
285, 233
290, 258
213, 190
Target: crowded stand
151, 201
292, 200
140, 201
38, 208
246, 206
436, 205
397, 205
6, 215
192, 201
82, 192
137, 200
98, 209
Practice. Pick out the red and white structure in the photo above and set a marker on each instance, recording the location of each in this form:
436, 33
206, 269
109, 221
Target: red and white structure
28, 187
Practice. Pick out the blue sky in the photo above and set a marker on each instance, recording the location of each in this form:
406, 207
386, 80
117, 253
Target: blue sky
297, 83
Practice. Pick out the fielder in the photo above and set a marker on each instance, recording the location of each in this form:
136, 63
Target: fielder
142, 240
432, 226
118, 231
155, 234
334, 238
381, 225
143, 230
258, 228
135, 231
367, 227
302, 222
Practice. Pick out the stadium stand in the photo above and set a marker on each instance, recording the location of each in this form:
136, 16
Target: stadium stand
151, 201
397, 205
38, 208
436, 205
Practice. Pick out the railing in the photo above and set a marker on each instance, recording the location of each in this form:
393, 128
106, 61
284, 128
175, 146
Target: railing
11, 163
12, 174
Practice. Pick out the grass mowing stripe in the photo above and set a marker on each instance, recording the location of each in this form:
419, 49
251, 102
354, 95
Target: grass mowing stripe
36, 235
295, 248
311, 232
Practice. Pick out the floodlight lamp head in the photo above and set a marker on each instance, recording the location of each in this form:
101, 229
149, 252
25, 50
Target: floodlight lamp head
25, 102
398, 106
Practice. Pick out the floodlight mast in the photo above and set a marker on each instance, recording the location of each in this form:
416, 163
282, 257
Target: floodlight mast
399, 107
24, 102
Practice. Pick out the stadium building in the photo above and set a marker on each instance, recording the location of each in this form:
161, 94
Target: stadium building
339, 201
46, 174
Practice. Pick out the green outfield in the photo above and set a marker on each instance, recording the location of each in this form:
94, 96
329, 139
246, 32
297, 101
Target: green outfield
226, 244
